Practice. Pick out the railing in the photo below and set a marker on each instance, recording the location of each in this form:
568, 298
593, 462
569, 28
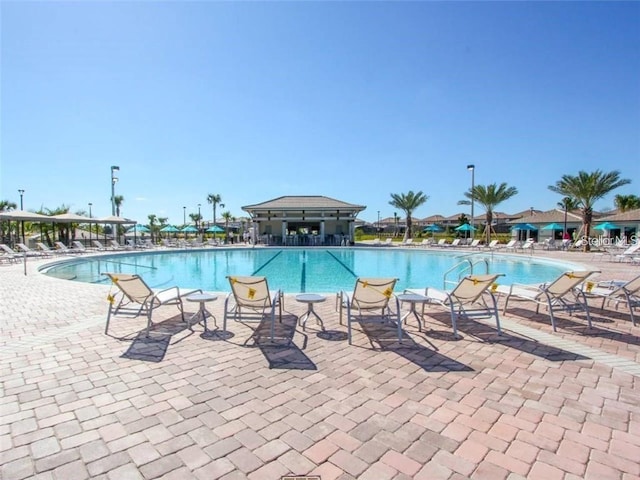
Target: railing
462, 268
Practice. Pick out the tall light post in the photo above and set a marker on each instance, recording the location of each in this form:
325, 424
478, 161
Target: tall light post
473, 171
199, 222
21, 192
378, 223
184, 216
90, 227
114, 180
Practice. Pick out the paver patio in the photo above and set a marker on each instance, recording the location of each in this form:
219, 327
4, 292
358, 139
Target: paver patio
78, 404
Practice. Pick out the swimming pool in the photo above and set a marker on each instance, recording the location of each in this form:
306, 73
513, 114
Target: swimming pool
296, 270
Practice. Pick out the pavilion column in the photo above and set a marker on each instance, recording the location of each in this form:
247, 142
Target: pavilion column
284, 232
322, 231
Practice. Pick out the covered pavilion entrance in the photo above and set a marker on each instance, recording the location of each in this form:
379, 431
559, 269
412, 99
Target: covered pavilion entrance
303, 221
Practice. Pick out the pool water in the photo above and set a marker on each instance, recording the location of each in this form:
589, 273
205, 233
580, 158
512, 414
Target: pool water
295, 270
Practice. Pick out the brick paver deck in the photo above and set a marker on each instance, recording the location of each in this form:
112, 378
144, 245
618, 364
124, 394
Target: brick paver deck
78, 404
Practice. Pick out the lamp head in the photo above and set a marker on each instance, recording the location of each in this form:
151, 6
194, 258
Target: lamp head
471, 167
114, 167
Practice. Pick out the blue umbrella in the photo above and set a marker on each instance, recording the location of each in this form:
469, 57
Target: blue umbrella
553, 226
432, 228
189, 229
137, 228
215, 229
524, 226
465, 227
169, 229
606, 226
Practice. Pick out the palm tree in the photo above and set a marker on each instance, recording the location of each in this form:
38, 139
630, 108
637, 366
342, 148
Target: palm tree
152, 225
118, 200
215, 199
567, 204
586, 189
624, 203
408, 203
490, 196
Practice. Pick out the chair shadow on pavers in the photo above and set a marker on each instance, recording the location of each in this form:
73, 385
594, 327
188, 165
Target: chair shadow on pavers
576, 323
488, 334
152, 348
282, 353
384, 339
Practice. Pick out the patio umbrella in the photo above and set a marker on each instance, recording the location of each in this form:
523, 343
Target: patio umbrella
465, 227
137, 228
215, 229
525, 227
433, 228
606, 226
553, 226
189, 229
169, 229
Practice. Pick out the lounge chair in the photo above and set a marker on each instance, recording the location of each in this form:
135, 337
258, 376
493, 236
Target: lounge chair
563, 294
116, 246
454, 243
78, 247
45, 249
62, 248
617, 292
99, 246
28, 251
426, 242
511, 246
8, 255
442, 243
250, 300
137, 298
527, 246
471, 297
370, 303
628, 254
493, 245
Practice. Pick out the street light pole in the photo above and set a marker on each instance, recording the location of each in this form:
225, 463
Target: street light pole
199, 222
378, 223
90, 228
114, 180
473, 171
184, 216
21, 192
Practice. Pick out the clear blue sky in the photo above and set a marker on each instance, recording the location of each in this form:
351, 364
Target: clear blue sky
352, 100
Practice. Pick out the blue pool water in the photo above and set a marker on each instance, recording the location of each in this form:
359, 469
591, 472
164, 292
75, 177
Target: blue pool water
304, 270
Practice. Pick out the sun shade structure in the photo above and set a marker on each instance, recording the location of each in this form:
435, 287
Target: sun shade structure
433, 228
214, 229
465, 227
553, 226
524, 226
607, 226
137, 228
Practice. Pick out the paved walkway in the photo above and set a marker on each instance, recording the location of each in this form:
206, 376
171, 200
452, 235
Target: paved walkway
78, 404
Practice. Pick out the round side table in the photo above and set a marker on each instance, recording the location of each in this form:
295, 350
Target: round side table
202, 313
412, 299
310, 299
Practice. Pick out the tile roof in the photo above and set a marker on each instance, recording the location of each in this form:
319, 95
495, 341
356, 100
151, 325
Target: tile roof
309, 202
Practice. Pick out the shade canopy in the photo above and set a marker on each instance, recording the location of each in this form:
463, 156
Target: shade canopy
465, 227
169, 229
215, 229
189, 229
433, 228
114, 219
138, 229
25, 215
553, 226
607, 226
72, 217
524, 226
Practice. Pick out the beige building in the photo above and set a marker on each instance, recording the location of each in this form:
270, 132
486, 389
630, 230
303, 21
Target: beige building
303, 220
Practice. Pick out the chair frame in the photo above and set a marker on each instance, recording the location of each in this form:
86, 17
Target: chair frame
555, 295
618, 292
146, 299
355, 305
468, 299
245, 308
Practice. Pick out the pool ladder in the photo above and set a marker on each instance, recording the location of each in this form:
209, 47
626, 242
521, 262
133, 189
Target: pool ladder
465, 267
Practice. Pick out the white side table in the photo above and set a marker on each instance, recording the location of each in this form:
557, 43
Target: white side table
310, 299
412, 299
202, 313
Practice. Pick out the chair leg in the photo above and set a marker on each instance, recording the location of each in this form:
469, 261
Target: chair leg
106, 328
